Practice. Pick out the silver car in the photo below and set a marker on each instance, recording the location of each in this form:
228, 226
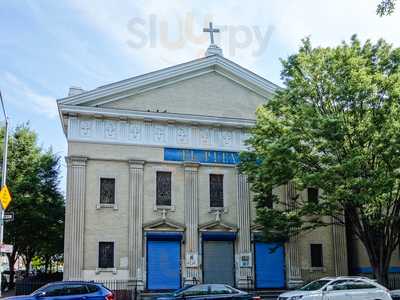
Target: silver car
339, 288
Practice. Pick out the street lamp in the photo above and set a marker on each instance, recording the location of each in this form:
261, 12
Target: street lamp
3, 177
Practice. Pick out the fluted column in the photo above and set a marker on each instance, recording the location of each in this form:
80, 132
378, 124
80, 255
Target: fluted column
135, 215
243, 216
293, 259
191, 222
74, 217
339, 248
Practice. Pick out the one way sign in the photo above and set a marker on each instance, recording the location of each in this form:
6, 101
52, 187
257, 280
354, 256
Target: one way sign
8, 217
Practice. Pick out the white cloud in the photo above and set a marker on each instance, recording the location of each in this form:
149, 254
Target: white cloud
26, 98
116, 23
327, 22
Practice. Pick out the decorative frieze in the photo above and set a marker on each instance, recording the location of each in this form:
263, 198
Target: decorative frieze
156, 134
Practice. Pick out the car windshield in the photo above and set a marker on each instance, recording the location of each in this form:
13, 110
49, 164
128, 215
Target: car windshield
177, 292
39, 290
315, 285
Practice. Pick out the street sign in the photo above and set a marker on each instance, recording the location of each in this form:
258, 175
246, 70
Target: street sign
5, 197
6, 248
8, 217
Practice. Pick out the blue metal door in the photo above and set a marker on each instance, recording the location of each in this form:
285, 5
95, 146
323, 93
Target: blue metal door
270, 265
163, 264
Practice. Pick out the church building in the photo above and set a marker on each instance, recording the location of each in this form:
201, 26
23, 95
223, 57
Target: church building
153, 191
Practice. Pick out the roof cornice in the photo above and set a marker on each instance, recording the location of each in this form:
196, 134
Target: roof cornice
155, 116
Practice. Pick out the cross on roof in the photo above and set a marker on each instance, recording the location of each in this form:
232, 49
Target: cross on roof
211, 30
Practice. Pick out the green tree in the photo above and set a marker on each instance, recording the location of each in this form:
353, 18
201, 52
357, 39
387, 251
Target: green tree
38, 205
386, 7
336, 127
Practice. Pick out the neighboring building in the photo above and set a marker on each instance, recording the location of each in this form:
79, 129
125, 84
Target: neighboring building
153, 192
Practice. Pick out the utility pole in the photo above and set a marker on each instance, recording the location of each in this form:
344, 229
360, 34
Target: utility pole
3, 180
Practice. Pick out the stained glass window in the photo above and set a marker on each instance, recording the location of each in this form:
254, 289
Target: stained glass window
163, 188
107, 190
106, 254
216, 190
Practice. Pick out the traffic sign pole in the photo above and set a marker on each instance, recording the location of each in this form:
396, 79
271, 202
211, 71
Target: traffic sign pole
4, 176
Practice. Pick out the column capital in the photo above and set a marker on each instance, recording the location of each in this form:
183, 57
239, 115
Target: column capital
238, 171
191, 166
136, 164
241, 174
76, 160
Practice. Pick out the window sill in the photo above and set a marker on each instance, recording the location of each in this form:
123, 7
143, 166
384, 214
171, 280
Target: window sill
106, 270
103, 205
317, 269
215, 209
162, 207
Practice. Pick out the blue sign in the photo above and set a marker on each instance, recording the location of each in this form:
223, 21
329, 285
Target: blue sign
201, 156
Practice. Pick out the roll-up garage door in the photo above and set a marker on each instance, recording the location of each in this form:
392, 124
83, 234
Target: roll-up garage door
269, 265
218, 261
163, 262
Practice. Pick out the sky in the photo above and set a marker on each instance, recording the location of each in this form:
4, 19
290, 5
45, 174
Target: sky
47, 46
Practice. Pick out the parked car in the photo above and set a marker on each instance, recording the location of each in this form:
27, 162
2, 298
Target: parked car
395, 294
339, 288
208, 291
69, 290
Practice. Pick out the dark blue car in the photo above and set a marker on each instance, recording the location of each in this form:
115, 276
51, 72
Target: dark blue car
208, 292
69, 290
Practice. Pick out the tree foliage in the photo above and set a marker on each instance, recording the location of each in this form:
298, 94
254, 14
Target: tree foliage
386, 7
38, 205
336, 127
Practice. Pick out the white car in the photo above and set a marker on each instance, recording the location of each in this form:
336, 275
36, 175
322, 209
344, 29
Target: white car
339, 288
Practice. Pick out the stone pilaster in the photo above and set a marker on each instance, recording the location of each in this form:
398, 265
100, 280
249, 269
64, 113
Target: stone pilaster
75, 218
135, 215
243, 216
339, 248
192, 272
293, 259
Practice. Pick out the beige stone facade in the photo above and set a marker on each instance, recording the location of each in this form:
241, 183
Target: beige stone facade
121, 132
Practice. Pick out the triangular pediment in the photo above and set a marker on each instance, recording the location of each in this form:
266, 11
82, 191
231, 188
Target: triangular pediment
212, 88
163, 225
164, 77
217, 226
